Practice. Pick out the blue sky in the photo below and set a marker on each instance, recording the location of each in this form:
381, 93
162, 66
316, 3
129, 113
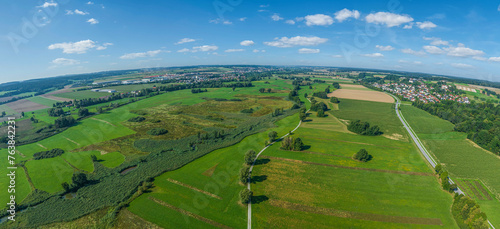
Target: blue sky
50, 38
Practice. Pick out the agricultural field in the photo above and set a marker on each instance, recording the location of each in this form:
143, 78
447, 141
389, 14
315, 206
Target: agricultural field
110, 137
42, 101
361, 94
323, 186
25, 105
7, 109
82, 95
464, 160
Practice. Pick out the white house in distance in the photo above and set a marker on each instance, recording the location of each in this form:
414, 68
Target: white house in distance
104, 90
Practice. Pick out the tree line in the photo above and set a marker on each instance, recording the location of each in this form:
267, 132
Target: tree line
481, 121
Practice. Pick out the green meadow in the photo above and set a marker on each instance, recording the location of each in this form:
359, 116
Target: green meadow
323, 187
42, 100
461, 157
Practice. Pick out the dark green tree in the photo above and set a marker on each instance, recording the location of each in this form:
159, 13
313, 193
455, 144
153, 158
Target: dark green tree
79, 179
244, 174
83, 112
362, 155
272, 135
298, 144
245, 196
250, 157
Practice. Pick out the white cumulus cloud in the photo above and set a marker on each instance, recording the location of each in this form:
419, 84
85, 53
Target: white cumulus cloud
184, 50
247, 43
48, 4
436, 41
388, 19
384, 48
461, 65
130, 56
345, 14
307, 51
276, 17
374, 55
494, 59
79, 47
433, 49
235, 50
65, 62
290, 22
204, 48
426, 25
286, 42
184, 40
462, 51
103, 46
93, 21
413, 52
76, 11
318, 19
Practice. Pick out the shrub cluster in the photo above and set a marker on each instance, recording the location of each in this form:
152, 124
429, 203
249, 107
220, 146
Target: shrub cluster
362, 155
137, 119
467, 213
445, 180
157, 131
364, 128
291, 143
48, 154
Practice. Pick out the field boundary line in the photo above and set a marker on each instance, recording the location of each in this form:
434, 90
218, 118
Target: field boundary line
193, 188
356, 215
249, 223
184, 212
353, 168
72, 141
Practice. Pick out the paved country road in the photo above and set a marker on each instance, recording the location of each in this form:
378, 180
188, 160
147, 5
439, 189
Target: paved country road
251, 168
421, 146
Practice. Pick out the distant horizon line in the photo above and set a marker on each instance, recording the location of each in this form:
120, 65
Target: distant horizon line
237, 65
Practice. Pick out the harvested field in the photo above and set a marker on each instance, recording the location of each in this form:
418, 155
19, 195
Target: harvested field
353, 86
356, 215
56, 98
25, 105
481, 188
358, 94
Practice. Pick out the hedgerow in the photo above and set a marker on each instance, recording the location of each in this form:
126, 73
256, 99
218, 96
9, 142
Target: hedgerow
112, 188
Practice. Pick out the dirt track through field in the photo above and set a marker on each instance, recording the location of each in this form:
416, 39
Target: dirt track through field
366, 95
184, 212
72, 141
355, 215
347, 167
100, 120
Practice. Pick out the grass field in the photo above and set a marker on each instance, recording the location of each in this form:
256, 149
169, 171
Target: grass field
381, 114
101, 129
322, 187
460, 156
132, 87
82, 95
42, 100
7, 110
224, 165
